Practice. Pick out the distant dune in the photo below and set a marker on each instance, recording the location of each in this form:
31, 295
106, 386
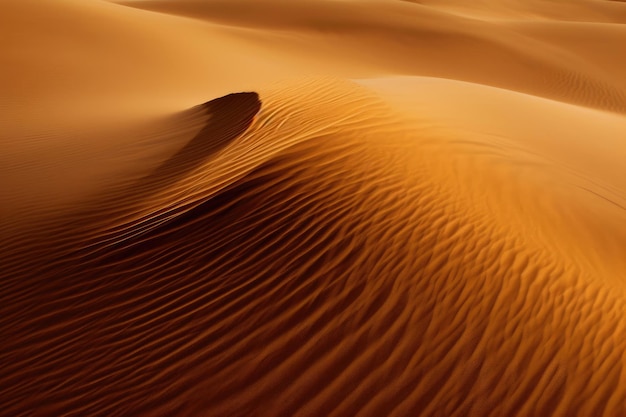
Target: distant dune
382, 207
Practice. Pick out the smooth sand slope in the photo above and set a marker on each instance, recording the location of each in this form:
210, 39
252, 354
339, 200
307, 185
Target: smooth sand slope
380, 208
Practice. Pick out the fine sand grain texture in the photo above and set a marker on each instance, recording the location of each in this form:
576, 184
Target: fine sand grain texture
312, 208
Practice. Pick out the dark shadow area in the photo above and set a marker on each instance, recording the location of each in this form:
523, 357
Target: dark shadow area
228, 118
223, 120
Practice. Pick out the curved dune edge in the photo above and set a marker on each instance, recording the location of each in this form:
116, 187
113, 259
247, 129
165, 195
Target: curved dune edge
215, 124
326, 256
523, 46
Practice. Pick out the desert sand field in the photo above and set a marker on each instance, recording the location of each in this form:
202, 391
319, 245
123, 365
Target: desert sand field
312, 208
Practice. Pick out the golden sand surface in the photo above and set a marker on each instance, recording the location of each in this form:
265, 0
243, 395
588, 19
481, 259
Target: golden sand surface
312, 208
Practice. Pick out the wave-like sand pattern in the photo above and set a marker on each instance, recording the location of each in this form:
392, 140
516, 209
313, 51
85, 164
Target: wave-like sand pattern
316, 254
389, 208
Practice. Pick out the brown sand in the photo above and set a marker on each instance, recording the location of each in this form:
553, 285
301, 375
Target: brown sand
383, 207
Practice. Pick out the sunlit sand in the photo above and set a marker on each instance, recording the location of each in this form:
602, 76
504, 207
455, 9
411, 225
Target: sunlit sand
311, 208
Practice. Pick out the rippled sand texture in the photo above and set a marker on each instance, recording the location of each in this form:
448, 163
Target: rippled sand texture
381, 208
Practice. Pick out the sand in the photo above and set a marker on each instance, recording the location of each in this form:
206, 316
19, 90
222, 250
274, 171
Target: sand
281, 208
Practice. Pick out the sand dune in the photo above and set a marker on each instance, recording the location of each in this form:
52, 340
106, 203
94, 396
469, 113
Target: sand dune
397, 37
381, 208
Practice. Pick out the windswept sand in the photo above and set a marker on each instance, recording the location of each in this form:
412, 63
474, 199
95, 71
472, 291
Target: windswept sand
277, 208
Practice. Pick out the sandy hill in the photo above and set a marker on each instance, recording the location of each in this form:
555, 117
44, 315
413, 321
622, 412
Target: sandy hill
372, 207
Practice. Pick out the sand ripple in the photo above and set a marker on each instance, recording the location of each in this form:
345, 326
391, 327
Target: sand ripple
315, 254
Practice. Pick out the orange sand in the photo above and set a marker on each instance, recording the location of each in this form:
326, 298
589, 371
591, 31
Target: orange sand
316, 207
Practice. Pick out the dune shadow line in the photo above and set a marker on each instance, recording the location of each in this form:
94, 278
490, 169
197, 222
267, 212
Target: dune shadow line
228, 118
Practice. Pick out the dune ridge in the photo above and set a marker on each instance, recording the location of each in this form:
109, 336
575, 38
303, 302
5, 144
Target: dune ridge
391, 34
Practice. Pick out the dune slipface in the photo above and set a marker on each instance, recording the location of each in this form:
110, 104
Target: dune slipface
403, 236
